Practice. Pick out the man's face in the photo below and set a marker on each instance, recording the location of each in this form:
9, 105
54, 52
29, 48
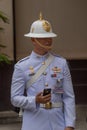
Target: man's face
43, 43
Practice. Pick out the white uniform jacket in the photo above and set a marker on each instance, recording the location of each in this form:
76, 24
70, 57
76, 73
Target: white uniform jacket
57, 77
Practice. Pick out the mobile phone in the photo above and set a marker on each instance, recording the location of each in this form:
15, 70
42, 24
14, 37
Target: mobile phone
46, 91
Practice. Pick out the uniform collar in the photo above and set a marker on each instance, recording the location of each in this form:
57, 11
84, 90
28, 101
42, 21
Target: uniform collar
42, 57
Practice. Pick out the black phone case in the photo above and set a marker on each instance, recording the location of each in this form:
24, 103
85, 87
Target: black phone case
46, 91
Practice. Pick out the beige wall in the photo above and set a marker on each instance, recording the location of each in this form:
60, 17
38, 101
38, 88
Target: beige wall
69, 21
6, 37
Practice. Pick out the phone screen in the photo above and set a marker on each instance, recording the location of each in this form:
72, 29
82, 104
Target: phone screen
46, 91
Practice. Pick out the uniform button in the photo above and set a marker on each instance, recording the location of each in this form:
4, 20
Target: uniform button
46, 84
44, 73
43, 63
58, 80
31, 67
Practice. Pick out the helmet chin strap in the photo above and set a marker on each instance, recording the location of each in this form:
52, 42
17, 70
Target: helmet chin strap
43, 46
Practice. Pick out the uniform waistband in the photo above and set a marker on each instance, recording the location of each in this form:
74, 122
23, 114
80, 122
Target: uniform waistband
53, 105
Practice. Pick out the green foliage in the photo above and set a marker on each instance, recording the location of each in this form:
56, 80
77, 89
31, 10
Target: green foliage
3, 57
3, 17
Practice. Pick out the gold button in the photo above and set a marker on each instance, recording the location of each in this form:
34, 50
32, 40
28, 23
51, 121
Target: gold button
58, 80
44, 73
31, 68
43, 63
46, 84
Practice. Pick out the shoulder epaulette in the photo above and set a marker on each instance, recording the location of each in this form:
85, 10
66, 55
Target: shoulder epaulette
24, 59
57, 55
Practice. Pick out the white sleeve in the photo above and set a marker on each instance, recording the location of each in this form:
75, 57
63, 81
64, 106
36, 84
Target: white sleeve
17, 90
68, 98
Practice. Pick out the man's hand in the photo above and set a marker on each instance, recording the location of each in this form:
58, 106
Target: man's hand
69, 128
43, 99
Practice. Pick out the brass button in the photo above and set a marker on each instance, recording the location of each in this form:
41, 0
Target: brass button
44, 73
46, 84
43, 63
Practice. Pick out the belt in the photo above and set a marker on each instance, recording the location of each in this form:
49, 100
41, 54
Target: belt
51, 105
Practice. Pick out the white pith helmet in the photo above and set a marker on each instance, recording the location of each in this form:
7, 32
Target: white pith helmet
40, 29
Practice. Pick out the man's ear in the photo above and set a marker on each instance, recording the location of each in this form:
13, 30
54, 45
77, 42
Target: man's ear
33, 41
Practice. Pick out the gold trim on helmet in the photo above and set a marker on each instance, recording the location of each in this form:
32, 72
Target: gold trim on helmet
46, 26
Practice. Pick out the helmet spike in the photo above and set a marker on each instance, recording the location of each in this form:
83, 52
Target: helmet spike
40, 16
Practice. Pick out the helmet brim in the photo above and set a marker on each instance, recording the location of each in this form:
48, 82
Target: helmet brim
45, 35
